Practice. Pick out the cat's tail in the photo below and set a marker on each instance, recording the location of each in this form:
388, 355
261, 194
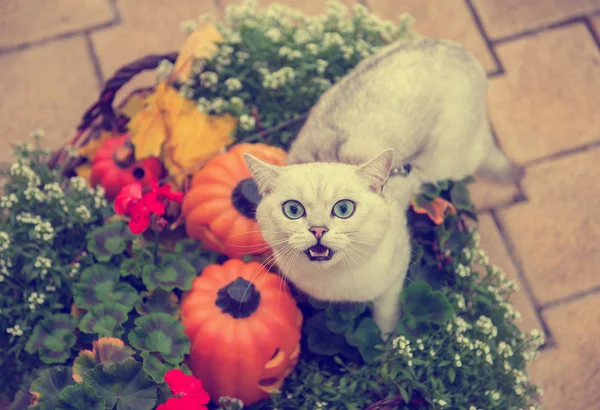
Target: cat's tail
498, 168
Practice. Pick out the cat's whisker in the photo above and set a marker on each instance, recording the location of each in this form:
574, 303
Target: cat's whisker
251, 232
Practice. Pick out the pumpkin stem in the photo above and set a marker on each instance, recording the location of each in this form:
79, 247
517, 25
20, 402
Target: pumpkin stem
239, 299
123, 156
246, 197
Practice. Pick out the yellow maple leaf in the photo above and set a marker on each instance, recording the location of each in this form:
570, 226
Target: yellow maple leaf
201, 43
150, 128
196, 137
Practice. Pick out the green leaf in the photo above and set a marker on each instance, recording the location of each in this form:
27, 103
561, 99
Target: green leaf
131, 267
158, 301
101, 283
452, 374
367, 338
341, 317
460, 197
161, 333
80, 397
124, 385
105, 351
174, 272
108, 240
320, 339
105, 320
52, 338
431, 190
156, 368
422, 309
47, 387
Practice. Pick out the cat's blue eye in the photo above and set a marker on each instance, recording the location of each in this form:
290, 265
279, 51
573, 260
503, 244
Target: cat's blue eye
344, 209
293, 209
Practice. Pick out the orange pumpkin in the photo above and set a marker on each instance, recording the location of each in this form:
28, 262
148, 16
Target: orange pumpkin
220, 207
244, 329
114, 166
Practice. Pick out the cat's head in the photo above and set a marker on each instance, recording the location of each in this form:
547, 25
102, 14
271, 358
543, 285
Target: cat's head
323, 213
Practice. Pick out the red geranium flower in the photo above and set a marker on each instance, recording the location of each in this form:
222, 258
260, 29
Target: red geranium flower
140, 207
188, 391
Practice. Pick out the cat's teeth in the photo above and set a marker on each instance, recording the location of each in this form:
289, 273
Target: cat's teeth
313, 254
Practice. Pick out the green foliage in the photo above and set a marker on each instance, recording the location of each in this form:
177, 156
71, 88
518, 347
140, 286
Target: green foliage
52, 338
44, 219
160, 333
124, 385
456, 345
105, 320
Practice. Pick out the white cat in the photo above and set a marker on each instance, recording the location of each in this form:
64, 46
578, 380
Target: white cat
334, 216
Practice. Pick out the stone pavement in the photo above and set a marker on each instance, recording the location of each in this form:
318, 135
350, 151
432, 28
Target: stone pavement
543, 60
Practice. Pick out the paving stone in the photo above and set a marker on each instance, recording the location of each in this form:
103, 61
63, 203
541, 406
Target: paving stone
494, 246
556, 233
147, 27
503, 18
47, 87
548, 100
449, 19
486, 195
310, 7
569, 373
27, 21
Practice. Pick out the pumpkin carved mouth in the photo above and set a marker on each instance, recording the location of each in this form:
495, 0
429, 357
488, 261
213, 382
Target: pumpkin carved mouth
319, 253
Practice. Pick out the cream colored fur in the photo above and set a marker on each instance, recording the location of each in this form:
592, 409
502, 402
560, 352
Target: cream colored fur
421, 102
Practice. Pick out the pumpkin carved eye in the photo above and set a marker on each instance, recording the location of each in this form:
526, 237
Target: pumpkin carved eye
293, 209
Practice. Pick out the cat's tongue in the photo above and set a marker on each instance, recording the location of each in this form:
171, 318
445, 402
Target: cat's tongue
318, 250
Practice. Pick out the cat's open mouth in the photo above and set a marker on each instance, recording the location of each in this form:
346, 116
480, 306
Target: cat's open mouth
319, 253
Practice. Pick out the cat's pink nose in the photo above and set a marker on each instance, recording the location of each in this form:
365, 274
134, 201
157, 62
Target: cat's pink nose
318, 231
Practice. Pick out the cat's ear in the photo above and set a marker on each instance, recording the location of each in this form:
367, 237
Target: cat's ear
264, 174
377, 170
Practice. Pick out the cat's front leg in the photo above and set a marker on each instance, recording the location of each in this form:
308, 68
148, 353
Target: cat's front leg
386, 308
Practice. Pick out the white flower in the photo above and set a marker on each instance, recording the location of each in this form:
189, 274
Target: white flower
440, 402
336, 9
15, 331
53, 191
347, 52
273, 34
247, 122
486, 326
203, 104
236, 103
186, 91
188, 26
420, 344
460, 301
457, 361
218, 105
37, 133
83, 213
32, 192
242, 56
302, 36
209, 79
279, 78
164, 70
4, 241
331, 39
74, 269
321, 404
321, 66
463, 271
50, 288
79, 183
233, 84
36, 299
312, 48
24, 170
7, 201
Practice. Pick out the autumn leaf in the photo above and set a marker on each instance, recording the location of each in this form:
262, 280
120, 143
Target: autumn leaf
201, 43
84, 171
196, 138
435, 209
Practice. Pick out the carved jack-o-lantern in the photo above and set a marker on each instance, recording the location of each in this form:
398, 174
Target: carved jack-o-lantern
244, 330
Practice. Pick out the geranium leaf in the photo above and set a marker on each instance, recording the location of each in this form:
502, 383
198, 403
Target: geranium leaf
52, 338
460, 197
320, 339
100, 283
105, 320
161, 333
342, 317
431, 190
366, 338
124, 385
174, 272
422, 306
108, 240
47, 387
80, 397
106, 351
155, 367
131, 267
158, 301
